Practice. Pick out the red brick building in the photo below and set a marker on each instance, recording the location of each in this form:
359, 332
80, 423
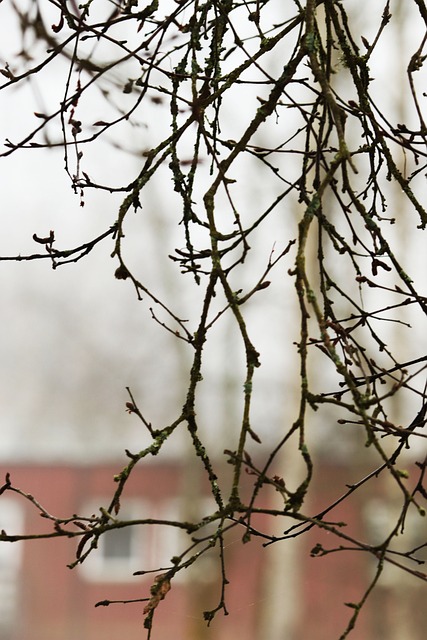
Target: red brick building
41, 599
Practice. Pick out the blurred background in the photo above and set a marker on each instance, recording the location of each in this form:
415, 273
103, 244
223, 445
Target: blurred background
74, 338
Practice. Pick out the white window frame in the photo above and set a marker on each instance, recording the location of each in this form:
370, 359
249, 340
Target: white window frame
98, 567
12, 521
152, 546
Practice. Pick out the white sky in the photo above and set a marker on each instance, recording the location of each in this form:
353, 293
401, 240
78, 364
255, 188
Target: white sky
74, 338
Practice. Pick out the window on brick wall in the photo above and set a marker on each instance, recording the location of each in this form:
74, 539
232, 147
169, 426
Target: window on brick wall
123, 551
120, 551
12, 521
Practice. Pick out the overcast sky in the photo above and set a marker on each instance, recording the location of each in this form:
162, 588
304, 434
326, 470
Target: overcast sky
73, 338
